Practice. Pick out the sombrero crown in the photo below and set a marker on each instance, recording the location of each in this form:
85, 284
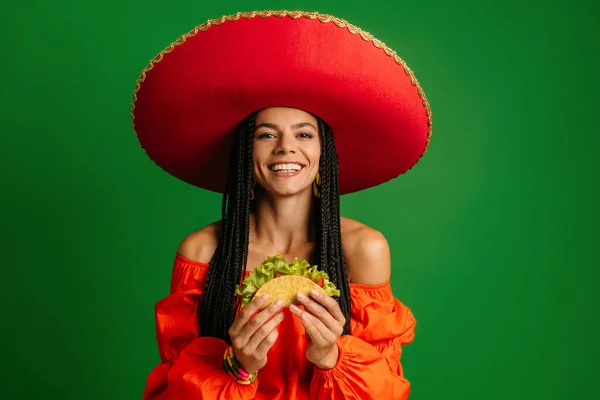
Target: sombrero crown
192, 95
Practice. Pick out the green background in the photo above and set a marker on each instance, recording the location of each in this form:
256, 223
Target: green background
493, 234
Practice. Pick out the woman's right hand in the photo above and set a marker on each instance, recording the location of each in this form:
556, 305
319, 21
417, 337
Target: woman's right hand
253, 336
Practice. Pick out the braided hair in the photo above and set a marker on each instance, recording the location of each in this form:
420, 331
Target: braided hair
228, 265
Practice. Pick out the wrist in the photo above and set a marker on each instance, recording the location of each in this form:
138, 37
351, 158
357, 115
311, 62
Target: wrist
240, 363
235, 370
330, 359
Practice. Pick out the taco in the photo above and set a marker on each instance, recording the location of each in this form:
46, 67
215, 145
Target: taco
282, 281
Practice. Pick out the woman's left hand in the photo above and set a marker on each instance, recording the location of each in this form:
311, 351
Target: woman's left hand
324, 323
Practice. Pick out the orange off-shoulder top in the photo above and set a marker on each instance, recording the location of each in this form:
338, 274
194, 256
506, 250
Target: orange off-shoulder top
368, 365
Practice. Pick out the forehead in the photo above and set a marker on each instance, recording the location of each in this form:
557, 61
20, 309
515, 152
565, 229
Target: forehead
284, 116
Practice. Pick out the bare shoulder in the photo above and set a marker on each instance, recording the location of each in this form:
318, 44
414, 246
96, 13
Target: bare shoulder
367, 253
201, 244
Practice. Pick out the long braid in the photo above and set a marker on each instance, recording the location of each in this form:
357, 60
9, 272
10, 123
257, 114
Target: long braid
228, 264
331, 253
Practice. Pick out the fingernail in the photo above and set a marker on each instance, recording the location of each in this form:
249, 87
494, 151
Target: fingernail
277, 304
293, 308
301, 296
280, 315
315, 293
264, 297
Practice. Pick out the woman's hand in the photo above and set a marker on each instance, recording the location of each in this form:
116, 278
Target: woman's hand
324, 323
253, 335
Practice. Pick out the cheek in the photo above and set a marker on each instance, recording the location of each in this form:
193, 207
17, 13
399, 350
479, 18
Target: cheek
314, 153
260, 155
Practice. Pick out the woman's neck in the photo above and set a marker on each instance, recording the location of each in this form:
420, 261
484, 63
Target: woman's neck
285, 223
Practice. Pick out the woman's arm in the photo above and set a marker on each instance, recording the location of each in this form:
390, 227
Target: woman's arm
191, 367
368, 363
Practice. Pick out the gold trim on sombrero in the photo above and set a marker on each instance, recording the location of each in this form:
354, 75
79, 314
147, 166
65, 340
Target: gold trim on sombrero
324, 18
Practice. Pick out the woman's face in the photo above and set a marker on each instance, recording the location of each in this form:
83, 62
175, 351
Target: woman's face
287, 149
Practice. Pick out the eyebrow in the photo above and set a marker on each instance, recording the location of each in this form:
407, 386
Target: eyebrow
276, 127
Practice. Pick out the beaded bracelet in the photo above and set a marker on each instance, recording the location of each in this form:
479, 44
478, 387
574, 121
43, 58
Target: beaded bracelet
234, 369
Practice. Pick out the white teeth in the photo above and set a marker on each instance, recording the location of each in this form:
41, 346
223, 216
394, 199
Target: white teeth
286, 167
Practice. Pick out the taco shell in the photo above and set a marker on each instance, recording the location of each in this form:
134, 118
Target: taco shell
285, 288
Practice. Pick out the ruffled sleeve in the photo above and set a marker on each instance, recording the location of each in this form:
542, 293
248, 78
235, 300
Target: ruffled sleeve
368, 365
191, 367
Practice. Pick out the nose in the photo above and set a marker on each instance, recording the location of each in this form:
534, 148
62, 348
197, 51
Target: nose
285, 145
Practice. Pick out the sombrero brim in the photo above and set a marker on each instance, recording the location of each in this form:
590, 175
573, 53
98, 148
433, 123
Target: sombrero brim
190, 98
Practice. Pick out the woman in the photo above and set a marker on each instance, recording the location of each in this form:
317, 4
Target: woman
281, 197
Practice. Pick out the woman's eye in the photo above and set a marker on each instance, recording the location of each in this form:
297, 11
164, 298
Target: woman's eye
266, 136
305, 135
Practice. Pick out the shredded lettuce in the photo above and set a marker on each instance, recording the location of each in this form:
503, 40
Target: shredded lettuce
274, 265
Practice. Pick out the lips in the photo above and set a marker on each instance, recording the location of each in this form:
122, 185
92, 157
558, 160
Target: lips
287, 167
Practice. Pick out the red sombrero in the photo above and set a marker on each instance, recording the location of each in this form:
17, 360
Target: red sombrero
190, 98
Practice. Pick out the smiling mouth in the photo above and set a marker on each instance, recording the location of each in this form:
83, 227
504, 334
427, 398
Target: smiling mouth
286, 167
